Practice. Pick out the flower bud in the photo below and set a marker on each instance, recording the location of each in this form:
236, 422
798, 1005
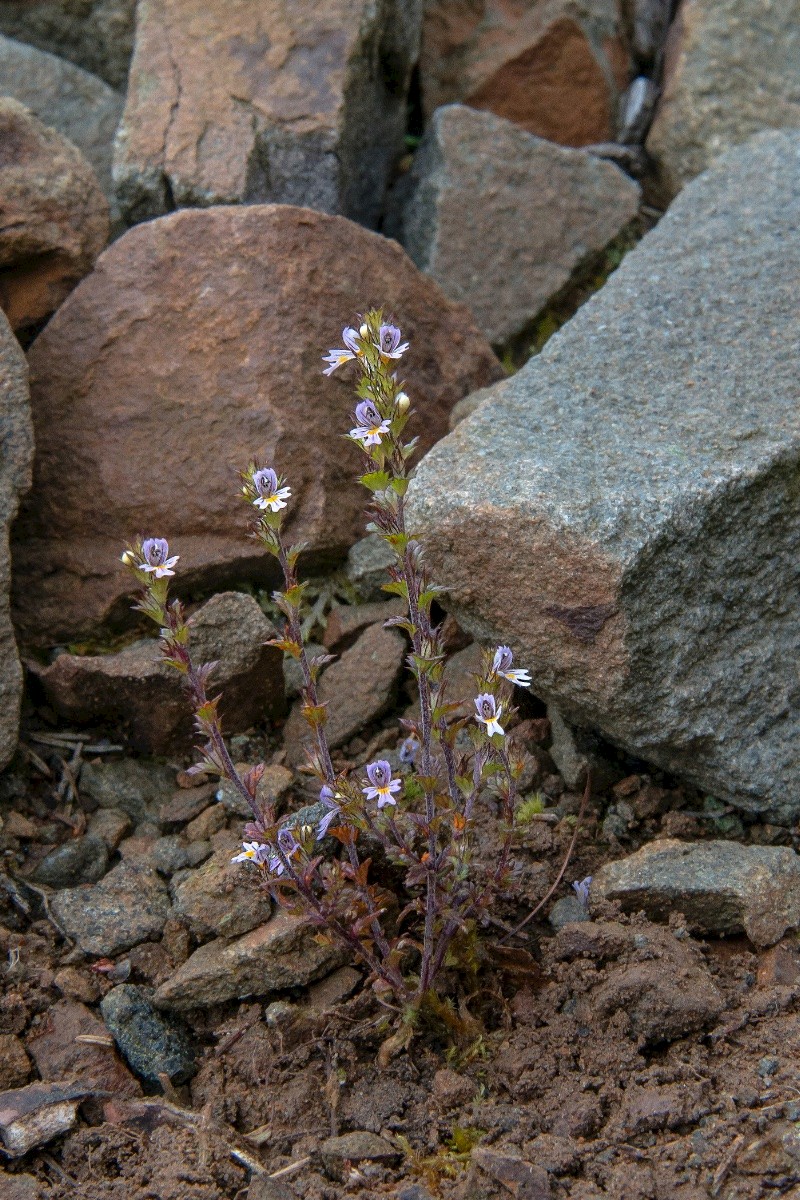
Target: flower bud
403, 403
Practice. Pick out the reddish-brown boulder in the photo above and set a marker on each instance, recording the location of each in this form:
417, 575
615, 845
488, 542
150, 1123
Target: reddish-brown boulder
53, 216
136, 692
194, 347
555, 68
259, 100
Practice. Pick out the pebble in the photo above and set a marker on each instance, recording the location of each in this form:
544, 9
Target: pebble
207, 823
129, 905
133, 785
358, 1146
221, 898
152, 1043
82, 860
566, 910
110, 824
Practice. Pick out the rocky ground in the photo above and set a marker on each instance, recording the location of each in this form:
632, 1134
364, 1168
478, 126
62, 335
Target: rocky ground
599, 200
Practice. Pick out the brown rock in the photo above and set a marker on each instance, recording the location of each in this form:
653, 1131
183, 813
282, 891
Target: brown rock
144, 698
347, 621
148, 338
357, 689
15, 1066
256, 100
53, 217
209, 822
95, 34
16, 437
780, 965
220, 898
58, 1055
556, 68
515, 1176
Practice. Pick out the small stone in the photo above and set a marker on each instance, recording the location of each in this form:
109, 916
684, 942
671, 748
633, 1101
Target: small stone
452, 1089
77, 984
558, 1155
358, 1146
133, 786
111, 825
768, 1066
281, 954
198, 852
720, 887
35, 1114
280, 1013
168, 854
187, 803
504, 221
137, 693
221, 898
305, 108
58, 1055
331, 991
82, 860
780, 965
264, 1188
566, 910
730, 71
129, 905
15, 1067
152, 1043
55, 218
358, 688
78, 105
209, 822
367, 567
347, 621
522, 1179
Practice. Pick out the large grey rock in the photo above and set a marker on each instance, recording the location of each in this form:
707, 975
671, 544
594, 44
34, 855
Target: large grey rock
720, 887
16, 456
281, 954
95, 34
625, 511
504, 220
77, 105
732, 69
258, 100
129, 906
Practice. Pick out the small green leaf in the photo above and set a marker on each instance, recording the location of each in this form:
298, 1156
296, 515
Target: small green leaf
376, 481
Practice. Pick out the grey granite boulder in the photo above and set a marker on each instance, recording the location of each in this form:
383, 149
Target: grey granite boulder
16, 456
503, 220
79, 106
732, 68
625, 511
720, 887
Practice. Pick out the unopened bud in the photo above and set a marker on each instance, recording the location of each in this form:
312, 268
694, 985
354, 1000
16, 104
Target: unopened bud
128, 558
363, 331
403, 403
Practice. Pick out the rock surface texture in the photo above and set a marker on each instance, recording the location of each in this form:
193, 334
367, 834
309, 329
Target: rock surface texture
53, 217
555, 68
136, 692
16, 456
95, 34
194, 346
624, 511
720, 887
732, 69
79, 106
252, 101
503, 220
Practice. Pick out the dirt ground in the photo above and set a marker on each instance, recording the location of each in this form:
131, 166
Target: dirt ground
613, 1058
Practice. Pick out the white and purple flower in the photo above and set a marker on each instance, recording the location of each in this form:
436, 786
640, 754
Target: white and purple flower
502, 666
255, 852
382, 787
336, 358
331, 801
389, 342
370, 426
409, 748
489, 713
155, 553
581, 887
270, 493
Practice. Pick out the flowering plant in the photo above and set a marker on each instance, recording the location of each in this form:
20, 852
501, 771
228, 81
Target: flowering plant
423, 816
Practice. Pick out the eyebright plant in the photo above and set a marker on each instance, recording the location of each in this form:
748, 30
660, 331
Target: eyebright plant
422, 813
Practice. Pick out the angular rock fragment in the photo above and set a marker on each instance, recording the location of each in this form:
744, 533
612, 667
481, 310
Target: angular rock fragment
53, 217
34, 1115
357, 689
153, 1044
16, 437
137, 694
203, 334
338, 1153
220, 899
79, 106
555, 69
503, 221
732, 69
281, 954
522, 1179
95, 34
630, 521
129, 906
720, 887
256, 101
80, 860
